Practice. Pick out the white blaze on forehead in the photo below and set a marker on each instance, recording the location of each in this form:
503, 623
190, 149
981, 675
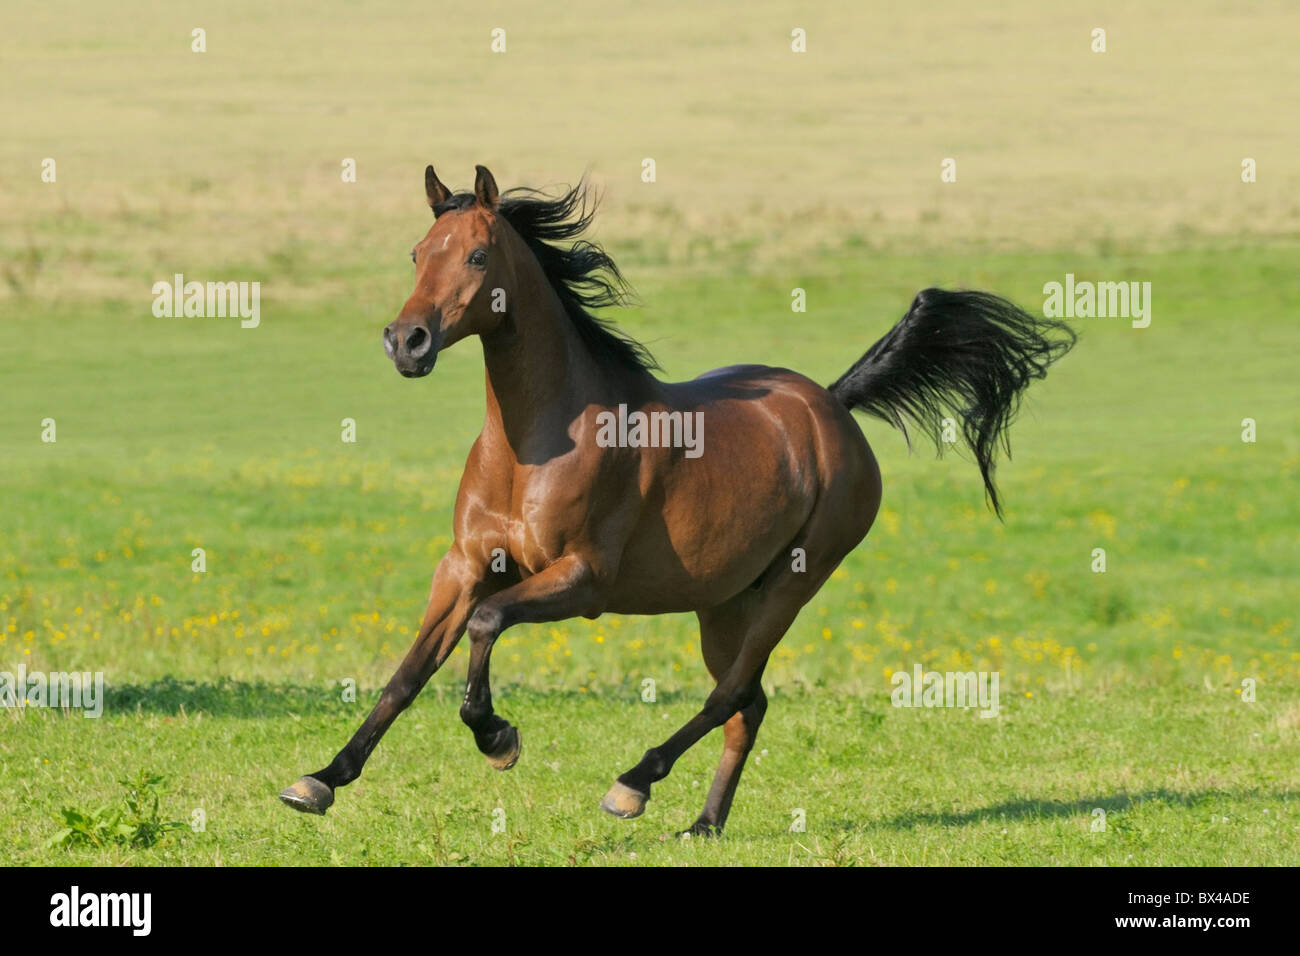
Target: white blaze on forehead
446, 239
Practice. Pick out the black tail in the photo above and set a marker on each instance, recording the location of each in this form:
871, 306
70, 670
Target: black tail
968, 352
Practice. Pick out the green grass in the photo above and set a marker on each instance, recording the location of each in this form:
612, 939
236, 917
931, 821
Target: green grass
1121, 691
1123, 687
1184, 775
178, 434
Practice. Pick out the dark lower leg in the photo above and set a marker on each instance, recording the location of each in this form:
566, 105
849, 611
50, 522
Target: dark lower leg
565, 589
740, 732
440, 631
658, 761
397, 695
492, 734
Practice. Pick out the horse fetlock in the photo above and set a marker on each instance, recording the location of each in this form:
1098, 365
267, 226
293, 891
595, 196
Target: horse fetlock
702, 827
502, 748
653, 767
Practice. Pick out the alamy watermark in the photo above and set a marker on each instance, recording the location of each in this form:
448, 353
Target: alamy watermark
1086, 300
624, 429
133, 911
82, 691
179, 298
946, 689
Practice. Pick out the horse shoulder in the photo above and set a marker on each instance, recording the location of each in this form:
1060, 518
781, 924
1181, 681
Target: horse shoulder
482, 515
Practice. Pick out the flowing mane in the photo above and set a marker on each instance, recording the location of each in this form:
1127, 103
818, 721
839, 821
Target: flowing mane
581, 273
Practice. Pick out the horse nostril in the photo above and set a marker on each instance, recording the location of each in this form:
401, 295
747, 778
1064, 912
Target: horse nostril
390, 340
418, 342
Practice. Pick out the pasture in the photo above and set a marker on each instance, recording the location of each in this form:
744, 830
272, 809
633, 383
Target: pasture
1121, 691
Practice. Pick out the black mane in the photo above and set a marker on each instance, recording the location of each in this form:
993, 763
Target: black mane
582, 274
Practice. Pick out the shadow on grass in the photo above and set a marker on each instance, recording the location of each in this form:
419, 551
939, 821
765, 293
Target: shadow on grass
226, 698
1046, 809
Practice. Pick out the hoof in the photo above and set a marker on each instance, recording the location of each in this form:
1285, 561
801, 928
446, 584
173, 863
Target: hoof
508, 755
308, 795
700, 829
624, 802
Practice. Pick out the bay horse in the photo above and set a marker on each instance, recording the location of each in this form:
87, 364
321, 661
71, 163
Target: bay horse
551, 523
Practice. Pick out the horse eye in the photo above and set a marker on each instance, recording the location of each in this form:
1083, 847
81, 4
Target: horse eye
478, 257
412, 255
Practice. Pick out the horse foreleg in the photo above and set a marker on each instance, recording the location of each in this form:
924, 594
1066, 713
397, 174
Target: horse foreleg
565, 589
450, 601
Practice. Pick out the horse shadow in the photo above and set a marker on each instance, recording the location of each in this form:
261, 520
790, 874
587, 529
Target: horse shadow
1038, 809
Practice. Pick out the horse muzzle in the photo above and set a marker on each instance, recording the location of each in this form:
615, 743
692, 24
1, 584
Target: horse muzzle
413, 347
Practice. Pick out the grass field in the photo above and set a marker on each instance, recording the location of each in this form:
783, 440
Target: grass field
1121, 691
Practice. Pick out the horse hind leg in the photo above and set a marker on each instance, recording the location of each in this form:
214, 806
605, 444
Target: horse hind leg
722, 633
747, 629
774, 609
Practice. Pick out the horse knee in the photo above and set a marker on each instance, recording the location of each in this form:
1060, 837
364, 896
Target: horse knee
485, 624
399, 692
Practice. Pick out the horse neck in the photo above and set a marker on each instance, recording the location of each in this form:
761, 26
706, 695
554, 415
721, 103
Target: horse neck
540, 373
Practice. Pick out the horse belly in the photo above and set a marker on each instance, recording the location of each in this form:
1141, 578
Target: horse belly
715, 532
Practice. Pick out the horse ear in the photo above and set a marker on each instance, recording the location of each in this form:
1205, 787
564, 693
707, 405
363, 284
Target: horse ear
485, 187
434, 189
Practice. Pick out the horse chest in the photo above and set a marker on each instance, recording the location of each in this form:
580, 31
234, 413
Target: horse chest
542, 517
